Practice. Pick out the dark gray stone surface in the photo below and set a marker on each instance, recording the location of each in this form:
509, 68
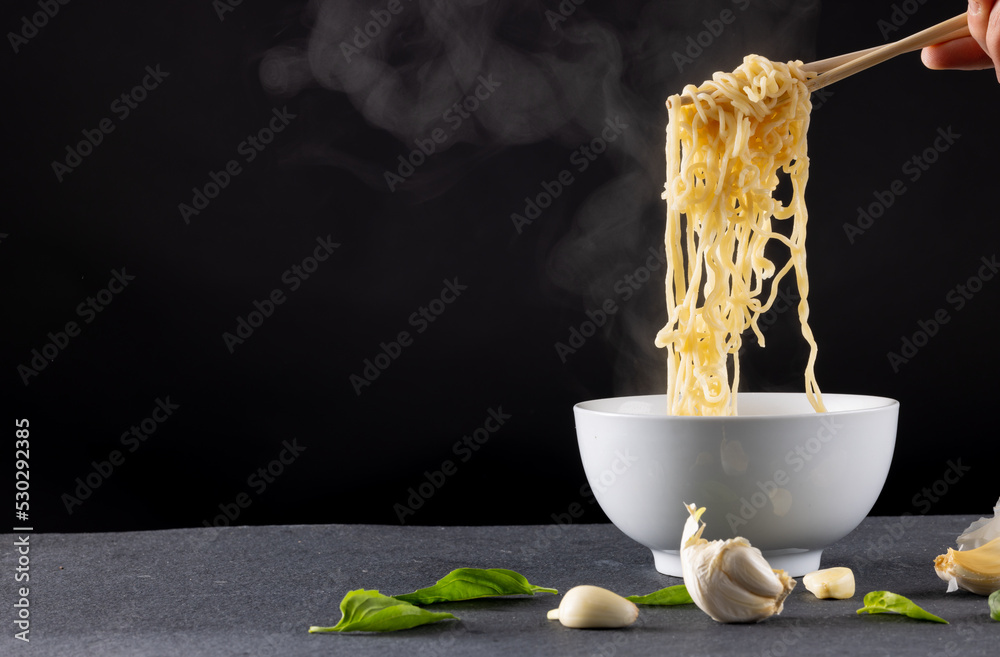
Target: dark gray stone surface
256, 590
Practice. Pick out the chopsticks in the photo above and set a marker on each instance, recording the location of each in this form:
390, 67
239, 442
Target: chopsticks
837, 68
953, 28
827, 65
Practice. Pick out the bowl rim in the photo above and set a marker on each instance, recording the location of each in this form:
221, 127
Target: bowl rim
875, 403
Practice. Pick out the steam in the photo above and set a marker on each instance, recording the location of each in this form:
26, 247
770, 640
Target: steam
404, 71
491, 75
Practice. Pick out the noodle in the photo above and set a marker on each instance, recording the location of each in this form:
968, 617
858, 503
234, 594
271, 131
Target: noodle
724, 152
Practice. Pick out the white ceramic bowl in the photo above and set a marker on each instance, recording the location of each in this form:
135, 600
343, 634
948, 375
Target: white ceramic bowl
788, 479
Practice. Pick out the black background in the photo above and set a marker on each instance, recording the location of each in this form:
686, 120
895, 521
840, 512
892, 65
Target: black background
554, 84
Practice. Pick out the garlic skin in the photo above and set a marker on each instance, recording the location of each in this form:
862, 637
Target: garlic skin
981, 531
730, 580
976, 570
588, 606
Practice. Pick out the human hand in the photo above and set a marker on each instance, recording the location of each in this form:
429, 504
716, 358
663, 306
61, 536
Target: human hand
981, 50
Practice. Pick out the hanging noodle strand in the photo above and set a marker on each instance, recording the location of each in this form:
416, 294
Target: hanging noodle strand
724, 154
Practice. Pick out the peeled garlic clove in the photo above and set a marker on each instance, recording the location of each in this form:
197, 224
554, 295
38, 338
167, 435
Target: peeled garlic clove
977, 571
837, 583
981, 531
730, 580
591, 606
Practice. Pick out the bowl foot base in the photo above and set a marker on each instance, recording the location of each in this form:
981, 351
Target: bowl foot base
795, 562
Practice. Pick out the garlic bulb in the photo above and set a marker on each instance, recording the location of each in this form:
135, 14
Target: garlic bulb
730, 580
977, 570
591, 606
981, 531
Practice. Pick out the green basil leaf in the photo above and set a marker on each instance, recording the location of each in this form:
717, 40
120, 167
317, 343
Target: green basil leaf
880, 602
672, 595
470, 583
994, 601
370, 611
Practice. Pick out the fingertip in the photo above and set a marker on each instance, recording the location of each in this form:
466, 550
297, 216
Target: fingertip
958, 54
979, 18
930, 56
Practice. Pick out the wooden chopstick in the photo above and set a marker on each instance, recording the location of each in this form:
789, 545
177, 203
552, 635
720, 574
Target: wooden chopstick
834, 69
827, 65
952, 28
